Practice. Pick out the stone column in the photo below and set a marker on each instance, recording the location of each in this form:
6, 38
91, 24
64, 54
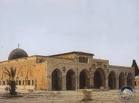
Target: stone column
106, 74
107, 86
77, 84
49, 82
77, 80
63, 82
106, 82
91, 80
125, 80
117, 82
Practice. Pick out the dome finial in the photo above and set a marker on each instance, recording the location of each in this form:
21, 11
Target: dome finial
18, 45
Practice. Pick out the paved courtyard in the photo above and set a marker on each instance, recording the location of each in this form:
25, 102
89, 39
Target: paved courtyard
69, 97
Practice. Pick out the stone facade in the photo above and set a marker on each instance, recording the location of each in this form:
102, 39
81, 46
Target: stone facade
30, 74
67, 71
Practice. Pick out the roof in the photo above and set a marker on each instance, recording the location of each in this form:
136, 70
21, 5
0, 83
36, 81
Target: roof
73, 52
101, 59
117, 67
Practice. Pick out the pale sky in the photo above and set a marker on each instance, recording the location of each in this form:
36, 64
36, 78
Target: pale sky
107, 28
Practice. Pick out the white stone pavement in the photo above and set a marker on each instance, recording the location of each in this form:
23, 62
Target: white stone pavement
111, 96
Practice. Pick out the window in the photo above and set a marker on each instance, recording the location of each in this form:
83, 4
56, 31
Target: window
40, 60
28, 82
99, 63
135, 83
83, 59
105, 66
19, 82
93, 66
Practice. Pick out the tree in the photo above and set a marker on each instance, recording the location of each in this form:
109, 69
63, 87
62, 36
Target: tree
134, 64
11, 73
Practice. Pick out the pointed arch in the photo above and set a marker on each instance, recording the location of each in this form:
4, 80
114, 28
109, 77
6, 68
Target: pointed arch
57, 80
130, 80
84, 81
99, 78
112, 80
70, 80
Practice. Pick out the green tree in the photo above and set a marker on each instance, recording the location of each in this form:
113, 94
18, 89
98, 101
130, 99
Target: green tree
11, 73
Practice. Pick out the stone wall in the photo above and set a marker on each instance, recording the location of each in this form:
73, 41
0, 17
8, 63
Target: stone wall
28, 73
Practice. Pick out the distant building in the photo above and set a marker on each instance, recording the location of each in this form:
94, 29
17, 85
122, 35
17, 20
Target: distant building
67, 71
134, 64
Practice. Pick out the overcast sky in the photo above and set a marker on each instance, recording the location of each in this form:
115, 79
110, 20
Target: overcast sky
107, 28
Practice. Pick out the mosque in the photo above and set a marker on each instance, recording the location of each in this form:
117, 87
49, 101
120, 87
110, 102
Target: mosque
62, 72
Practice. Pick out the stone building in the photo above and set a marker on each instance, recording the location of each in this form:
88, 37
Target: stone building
67, 71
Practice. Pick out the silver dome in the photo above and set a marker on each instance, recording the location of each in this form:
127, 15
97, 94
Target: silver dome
17, 53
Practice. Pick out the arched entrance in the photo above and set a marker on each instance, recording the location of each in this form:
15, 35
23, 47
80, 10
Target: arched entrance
121, 80
112, 80
130, 80
56, 80
99, 78
84, 79
70, 80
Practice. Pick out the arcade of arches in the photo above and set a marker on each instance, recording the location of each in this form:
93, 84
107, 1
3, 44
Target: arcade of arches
84, 79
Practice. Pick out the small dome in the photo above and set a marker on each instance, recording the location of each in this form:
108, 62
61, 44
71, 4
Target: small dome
17, 53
